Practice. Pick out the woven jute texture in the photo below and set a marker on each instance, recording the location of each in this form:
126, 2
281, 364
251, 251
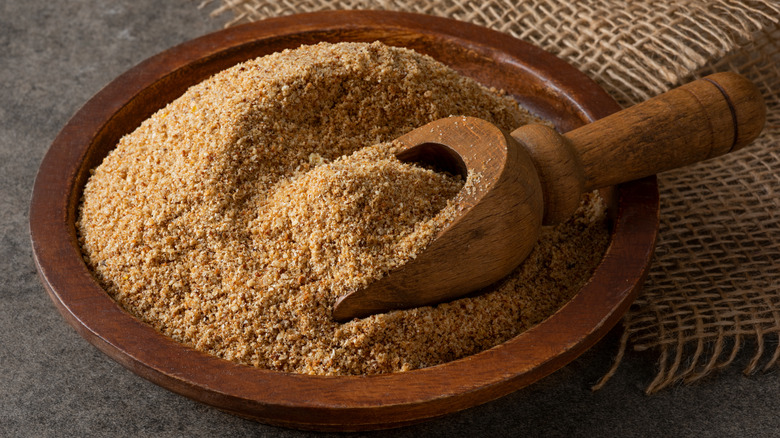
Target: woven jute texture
713, 294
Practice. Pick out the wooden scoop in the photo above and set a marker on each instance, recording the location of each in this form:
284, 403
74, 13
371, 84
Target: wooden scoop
536, 176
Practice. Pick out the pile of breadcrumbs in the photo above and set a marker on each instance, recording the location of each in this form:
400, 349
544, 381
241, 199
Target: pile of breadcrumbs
233, 218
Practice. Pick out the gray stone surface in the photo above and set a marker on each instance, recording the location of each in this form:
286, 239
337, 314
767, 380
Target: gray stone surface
53, 57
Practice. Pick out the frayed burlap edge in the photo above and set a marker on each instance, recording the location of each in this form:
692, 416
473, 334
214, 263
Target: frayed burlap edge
713, 287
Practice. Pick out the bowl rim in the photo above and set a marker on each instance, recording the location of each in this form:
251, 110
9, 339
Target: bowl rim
327, 402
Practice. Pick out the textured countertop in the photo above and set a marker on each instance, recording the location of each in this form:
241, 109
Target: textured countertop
53, 57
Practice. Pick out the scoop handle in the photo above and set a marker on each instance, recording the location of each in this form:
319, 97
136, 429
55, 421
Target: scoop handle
703, 119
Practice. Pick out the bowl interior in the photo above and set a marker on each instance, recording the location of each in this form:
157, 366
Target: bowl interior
546, 85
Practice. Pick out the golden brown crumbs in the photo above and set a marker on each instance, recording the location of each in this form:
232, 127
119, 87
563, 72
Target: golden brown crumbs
233, 218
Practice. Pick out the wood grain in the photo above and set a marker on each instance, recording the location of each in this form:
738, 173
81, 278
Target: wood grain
695, 122
547, 85
543, 175
485, 240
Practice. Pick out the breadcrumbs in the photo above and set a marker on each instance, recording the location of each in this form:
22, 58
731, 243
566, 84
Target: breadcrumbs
233, 218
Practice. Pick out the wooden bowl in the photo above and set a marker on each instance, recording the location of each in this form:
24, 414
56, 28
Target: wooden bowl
542, 82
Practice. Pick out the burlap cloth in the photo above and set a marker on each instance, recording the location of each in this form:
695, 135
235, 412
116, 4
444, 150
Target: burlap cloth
713, 294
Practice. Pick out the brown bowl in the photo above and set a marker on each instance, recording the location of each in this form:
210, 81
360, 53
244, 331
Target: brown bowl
545, 84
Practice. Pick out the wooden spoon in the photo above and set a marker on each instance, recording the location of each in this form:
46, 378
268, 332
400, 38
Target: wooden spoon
535, 176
